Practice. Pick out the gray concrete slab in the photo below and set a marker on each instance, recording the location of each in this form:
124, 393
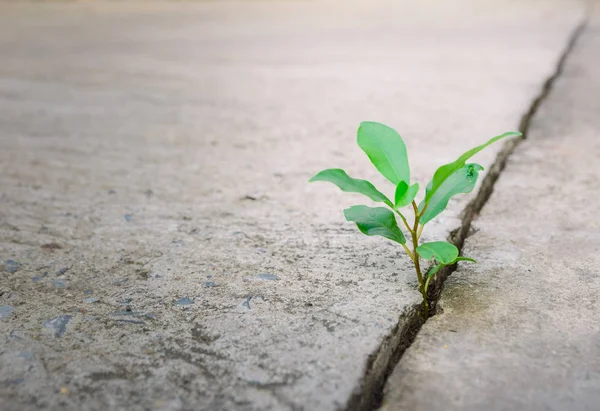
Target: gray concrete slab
161, 246
521, 329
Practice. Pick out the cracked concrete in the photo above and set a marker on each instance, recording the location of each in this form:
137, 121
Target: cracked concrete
154, 165
520, 330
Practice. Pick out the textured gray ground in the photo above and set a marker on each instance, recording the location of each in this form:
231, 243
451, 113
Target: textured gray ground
521, 330
155, 152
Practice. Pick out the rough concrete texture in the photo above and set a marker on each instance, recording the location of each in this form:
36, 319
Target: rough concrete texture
520, 330
161, 247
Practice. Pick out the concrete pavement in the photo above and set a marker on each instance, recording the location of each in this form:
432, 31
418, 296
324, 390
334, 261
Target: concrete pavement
161, 247
521, 329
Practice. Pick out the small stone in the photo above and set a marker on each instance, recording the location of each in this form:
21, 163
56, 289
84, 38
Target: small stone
6, 310
88, 292
151, 316
131, 321
246, 302
64, 391
90, 300
119, 281
210, 284
15, 381
11, 266
267, 277
128, 217
261, 250
25, 354
184, 301
58, 325
59, 283
37, 278
125, 301
127, 312
62, 271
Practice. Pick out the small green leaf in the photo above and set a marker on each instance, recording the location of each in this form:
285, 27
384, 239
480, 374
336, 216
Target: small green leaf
461, 181
385, 149
346, 183
375, 221
435, 269
447, 170
405, 194
442, 251
401, 190
464, 259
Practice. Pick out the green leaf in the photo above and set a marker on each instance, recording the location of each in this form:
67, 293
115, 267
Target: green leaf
435, 269
461, 181
375, 221
385, 149
442, 251
447, 170
464, 259
346, 183
405, 194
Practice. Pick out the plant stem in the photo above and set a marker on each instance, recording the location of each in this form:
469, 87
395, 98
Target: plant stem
427, 282
415, 241
403, 219
420, 232
422, 211
410, 254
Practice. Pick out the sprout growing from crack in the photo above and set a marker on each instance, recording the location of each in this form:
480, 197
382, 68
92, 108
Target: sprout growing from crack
387, 151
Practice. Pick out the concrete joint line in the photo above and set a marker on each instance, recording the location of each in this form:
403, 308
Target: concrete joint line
380, 364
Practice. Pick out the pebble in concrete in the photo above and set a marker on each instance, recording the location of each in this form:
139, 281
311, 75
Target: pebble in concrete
267, 277
184, 301
59, 283
58, 325
11, 266
6, 310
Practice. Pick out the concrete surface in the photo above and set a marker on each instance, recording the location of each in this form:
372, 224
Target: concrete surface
161, 247
521, 329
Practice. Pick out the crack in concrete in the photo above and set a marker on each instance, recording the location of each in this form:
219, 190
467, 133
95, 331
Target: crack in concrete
380, 364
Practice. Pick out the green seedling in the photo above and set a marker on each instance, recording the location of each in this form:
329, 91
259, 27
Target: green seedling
387, 151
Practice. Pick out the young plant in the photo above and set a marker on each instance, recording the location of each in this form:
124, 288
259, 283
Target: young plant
387, 151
